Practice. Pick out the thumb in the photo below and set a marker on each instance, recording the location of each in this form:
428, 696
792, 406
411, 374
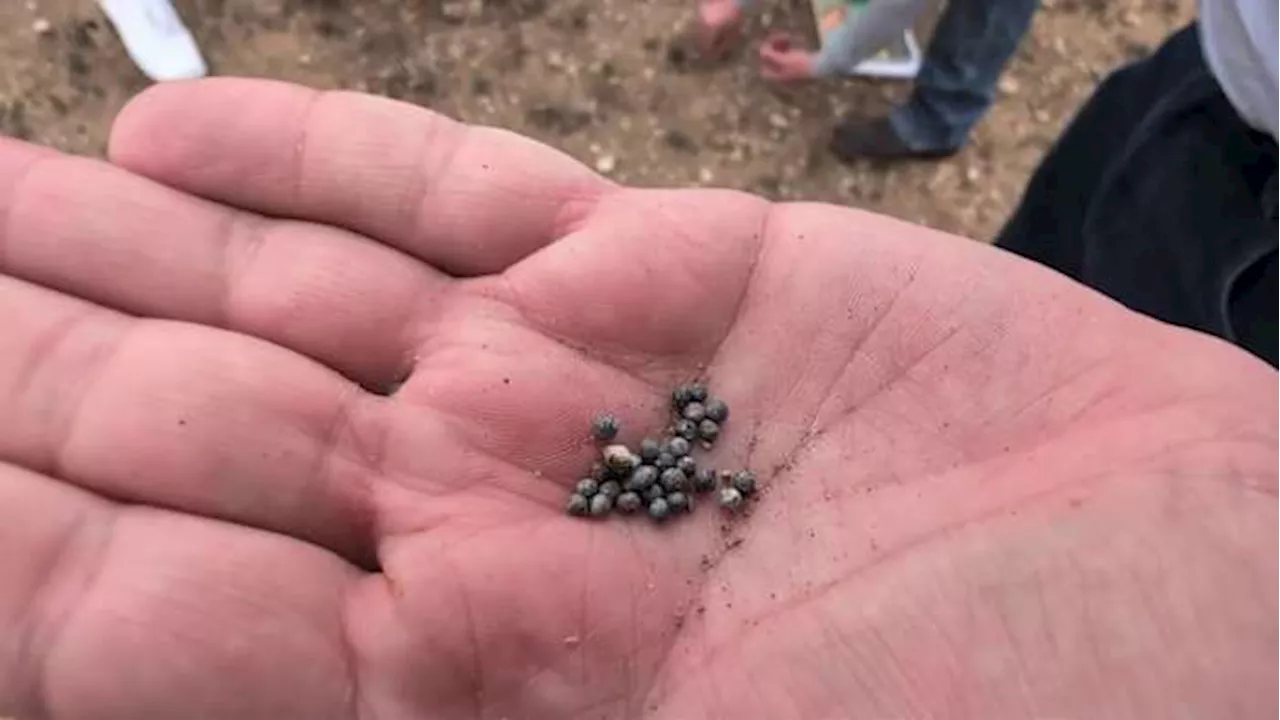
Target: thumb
770, 55
773, 68
771, 71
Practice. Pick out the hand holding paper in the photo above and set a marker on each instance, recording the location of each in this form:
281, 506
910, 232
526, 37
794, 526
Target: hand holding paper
783, 60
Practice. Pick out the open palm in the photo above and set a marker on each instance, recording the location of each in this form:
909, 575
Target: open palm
293, 392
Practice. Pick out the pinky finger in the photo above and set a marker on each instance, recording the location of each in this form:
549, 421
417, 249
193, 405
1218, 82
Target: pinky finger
126, 611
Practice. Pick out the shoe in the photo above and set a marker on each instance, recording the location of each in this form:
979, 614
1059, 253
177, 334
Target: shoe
875, 139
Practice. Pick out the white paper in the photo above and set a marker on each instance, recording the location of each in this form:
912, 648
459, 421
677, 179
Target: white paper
902, 63
155, 38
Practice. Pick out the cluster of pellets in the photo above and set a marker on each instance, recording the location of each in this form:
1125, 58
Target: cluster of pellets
661, 477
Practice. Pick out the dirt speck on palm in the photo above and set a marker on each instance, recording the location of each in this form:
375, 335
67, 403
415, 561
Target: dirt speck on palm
607, 81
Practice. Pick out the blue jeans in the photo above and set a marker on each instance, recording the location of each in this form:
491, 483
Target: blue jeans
971, 45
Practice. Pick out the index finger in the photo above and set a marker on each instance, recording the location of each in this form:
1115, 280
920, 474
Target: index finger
468, 200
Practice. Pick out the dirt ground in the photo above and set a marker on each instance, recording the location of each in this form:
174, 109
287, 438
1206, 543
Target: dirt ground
605, 80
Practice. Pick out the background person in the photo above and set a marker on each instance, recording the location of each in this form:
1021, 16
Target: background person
1162, 191
970, 47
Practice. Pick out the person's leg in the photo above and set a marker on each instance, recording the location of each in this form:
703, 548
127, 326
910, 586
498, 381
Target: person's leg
1253, 307
1047, 224
1159, 196
971, 46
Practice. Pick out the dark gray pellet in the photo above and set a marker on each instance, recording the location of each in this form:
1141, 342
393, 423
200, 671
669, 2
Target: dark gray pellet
679, 502
744, 481
587, 487
695, 412
717, 410
604, 427
681, 396
709, 430
601, 504
642, 477
687, 465
687, 429
659, 509
697, 392
649, 450
678, 447
628, 502
577, 505
672, 479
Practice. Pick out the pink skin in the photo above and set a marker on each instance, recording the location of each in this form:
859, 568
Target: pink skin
719, 22
783, 61
988, 492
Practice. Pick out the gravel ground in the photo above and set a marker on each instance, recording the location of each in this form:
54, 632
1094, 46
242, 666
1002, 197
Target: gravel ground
606, 80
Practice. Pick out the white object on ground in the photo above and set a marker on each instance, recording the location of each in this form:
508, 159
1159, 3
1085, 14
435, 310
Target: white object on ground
901, 61
155, 38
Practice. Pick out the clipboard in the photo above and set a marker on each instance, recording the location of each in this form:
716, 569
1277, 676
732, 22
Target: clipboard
900, 61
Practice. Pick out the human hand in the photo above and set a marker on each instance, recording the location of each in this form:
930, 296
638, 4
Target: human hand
719, 22
988, 492
782, 60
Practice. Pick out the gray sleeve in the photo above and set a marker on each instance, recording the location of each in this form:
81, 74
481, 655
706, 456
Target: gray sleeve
866, 33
